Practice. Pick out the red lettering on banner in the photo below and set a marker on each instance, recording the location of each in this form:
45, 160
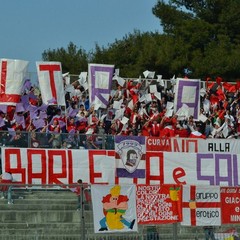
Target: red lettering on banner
51, 69
112, 154
18, 169
42, 174
92, 173
195, 143
178, 173
54, 177
185, 145
3, 82
230, 201
150, 177
70, 167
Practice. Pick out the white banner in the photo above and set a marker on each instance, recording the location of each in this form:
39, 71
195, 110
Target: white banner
100, 82
193, 145
114, 208
54, 166
201, 206
51, 82
12, 74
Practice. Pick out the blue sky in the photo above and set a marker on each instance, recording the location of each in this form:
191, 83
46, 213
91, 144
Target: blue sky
28, 27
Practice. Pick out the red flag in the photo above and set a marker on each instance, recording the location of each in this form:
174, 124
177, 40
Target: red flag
219, 80
221, 95
225, 104
221, 114
214, 99
208, 79
238, 85
210, 85
229, 87
135, 99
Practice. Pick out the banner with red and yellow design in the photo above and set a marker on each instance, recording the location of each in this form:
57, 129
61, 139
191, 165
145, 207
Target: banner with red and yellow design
159, 204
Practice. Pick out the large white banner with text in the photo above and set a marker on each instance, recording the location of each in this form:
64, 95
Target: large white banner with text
56, 166
192, 145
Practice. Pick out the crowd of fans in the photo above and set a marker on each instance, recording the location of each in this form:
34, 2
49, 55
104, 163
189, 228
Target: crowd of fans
81, 125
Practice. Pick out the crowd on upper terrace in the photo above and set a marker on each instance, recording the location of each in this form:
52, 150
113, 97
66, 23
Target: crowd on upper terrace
81, 124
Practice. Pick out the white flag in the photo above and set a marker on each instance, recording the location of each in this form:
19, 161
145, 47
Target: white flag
12, 73
100, 82
51, 82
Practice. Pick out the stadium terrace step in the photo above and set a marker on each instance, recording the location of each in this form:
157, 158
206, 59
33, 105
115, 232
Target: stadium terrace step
52, 215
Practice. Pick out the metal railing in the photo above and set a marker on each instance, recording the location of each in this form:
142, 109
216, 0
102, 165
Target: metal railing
51, 212
62, 140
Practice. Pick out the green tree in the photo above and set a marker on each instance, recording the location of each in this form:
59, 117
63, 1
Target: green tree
204, 33
133, 54
73, 59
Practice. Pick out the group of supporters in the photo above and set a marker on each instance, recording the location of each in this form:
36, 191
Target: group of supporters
81, 124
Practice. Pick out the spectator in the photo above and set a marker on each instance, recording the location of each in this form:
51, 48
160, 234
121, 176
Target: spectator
55, 130
6, 190
83, 195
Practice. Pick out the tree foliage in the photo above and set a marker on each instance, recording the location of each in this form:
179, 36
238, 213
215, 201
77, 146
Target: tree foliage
201, 35
206, 34
73, 59
133, 54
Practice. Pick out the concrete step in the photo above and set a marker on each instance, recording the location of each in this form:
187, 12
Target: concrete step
44, 237
49, 216
42, 194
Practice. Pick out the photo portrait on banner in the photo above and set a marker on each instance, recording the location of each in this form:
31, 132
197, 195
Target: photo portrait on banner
130, 155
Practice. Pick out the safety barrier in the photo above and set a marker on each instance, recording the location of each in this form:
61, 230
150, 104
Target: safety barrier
52, 212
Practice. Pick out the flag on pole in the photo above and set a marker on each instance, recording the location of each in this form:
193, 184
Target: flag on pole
188, 92
12, 75
51, 82
100, 82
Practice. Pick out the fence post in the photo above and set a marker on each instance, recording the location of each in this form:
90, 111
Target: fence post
82, 214
175, 231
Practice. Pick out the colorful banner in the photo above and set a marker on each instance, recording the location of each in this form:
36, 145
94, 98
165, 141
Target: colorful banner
230, 199
12, 74
187, 92
100, 82
130, 153
114, 208
192, 145
49, 166
51, 82
201, 206
159, 204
